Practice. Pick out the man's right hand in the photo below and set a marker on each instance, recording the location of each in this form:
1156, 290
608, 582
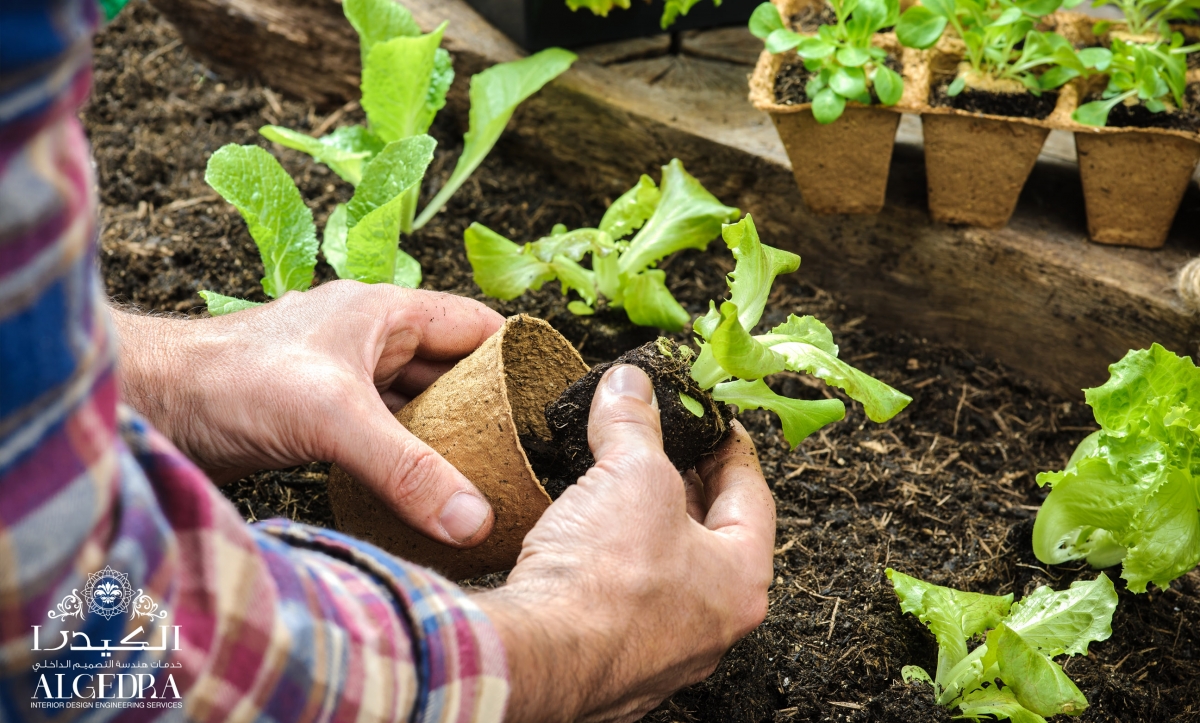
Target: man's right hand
637, 580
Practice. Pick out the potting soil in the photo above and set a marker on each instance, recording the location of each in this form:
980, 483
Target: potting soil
1186, 118
1013, 105
945, 491
793, 76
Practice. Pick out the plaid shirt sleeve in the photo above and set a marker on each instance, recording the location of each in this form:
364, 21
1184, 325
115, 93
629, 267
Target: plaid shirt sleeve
129, 588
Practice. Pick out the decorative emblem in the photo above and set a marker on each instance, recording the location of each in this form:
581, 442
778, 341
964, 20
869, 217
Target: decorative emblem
145, 607
108, 593
70, 607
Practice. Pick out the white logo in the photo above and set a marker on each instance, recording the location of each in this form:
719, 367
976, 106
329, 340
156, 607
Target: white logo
108, 594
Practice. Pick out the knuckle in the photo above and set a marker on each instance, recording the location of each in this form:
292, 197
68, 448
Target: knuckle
415, 477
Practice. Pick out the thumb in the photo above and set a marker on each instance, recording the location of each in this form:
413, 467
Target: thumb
624, 431
419, 486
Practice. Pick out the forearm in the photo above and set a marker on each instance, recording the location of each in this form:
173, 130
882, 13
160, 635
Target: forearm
151, 361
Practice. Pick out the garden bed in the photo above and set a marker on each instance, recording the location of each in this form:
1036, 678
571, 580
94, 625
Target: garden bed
945, 492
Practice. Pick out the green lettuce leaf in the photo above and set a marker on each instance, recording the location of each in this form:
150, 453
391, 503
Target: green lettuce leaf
396, 82
630, 211
756, 266
395, 173
280, 223
1068, 620
738, 353
598, 7
219, 304
880, 401
345, 150
573, 276
999, 703
765, 20
333, 243
687, 216
372, 244
408, 271
953, 616
502, 268
674, 8
1128, 493
495, 94
648, 302
800, 417
1037, 682
377, 21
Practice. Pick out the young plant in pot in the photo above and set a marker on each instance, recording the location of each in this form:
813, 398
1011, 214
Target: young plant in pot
1148, 20
826, 91
621, 288
1134, 181
513, 416
993, 86
406, 75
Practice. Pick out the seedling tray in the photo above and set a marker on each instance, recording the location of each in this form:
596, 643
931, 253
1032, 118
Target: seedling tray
538, 24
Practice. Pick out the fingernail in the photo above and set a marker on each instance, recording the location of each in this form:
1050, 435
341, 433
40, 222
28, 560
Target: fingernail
463, 515
629, 381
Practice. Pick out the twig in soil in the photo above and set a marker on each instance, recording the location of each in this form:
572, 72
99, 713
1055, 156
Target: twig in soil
333, 118
852, 706
836, 602
189, 202
847, 492
1177, 632
161, 51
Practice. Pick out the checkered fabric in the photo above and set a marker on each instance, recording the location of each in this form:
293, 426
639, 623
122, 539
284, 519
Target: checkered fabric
276, 621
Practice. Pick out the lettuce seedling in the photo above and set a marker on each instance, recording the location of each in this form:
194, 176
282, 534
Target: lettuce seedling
406, 75
1001, 43
1149, 17
1130, 492
679, 215
672, 9
1011, 674
844, 63
1151, 73
732, 362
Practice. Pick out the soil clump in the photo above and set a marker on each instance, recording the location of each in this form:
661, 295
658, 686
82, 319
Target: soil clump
945, 492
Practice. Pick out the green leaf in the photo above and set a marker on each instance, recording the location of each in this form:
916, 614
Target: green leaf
396, 84
333, 245
1037, 682
764, 20
909, 673
408, 271
580, 309
648, 302
782, 40
280, 223
372, 244
705, 369
889, 86
827, 106
806, 329
632, 208
345, 150
1055, 77
501, 269
377, 21
852, 57
953, 616
495, 94
920, 27
573, 276
687, 216
800, 417
880, 401
848, 82
396, 172
673, 9
1098, 58
756, 267
944, 8
1093, 114
439, 84
1066, 621
811, 48
691, 405
598, 7
739, 353
999, 703
219, 304
957, 86
1008, 17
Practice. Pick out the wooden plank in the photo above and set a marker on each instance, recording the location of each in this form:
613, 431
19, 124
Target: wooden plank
1036, 295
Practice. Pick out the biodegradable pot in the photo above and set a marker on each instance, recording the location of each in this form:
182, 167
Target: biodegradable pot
976, 167
473, 416
1133, 183
538, 24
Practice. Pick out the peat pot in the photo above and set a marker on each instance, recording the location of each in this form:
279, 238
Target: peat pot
1133, 183
976, 167
538, 24
474, 416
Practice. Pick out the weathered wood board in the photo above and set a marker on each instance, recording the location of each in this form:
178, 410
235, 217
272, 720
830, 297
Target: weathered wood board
1036, 295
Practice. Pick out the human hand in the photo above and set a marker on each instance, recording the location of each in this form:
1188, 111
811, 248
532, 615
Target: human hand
315, 376
636, 580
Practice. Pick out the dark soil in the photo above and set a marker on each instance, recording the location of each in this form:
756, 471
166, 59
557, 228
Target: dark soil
945, 491
686, 437
793, 76
1186, 118
811, 18
1013, 105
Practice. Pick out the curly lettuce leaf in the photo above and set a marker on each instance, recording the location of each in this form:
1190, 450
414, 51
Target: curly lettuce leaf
571, 275
1065, 621
687, 216
998, 703
800, 417
880, 401
333, 242
953, 616
377, 21
396, 82
280, 223
1037, 682
219, 304
674, 8
738, 353
345, 150
631, 209
756, 266
503, 270
598, 7
1128, 493
495, 94
395, 173
648, 302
